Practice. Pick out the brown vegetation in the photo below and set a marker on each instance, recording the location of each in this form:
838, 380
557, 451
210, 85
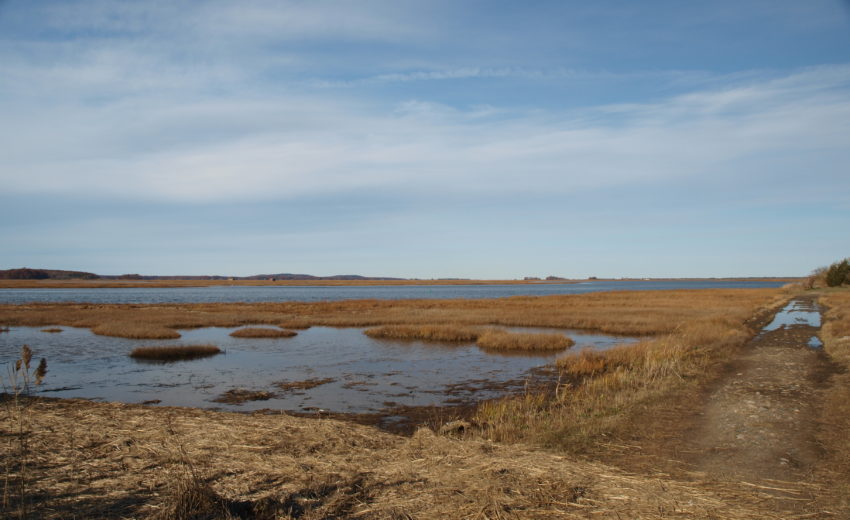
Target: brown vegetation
52, 330
141, 462
261, 332
241, 395
305, 384
134, 330
626, 312
425, 332
602, 393
175, 352
503, 340
835, 334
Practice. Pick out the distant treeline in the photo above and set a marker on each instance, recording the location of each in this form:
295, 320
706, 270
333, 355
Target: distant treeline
26, 273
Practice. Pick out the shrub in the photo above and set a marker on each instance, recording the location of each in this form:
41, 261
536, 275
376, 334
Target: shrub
838, 273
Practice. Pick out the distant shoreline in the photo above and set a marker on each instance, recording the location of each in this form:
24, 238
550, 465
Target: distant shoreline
118, 284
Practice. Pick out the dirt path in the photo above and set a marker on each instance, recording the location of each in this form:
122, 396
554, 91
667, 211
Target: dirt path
759, 426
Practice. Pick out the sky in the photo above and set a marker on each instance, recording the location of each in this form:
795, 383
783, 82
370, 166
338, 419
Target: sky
429, 139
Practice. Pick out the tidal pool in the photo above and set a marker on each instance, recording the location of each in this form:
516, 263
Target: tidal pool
361, 374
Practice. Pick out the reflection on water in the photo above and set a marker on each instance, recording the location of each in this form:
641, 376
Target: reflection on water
796, 313
364, 374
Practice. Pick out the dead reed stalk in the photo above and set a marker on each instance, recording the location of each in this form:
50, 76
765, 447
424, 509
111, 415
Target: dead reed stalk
17, 400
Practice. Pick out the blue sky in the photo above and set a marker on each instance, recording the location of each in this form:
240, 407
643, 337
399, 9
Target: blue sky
425, 139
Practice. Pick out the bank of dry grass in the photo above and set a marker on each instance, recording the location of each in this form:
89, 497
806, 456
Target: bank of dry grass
603, 395
262, 332
109, 460
835, 420
625, 312
174, 352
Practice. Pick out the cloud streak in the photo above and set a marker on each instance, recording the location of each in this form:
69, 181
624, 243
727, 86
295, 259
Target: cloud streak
161, 147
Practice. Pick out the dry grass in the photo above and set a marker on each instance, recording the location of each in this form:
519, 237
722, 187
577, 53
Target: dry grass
108, 460
604, 394
306, 384
835, 419
425, 332
175, 352
261, 332
626, 312
134, 330
503, 340
52, 330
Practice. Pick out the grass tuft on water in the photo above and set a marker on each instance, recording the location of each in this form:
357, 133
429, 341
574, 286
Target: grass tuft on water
52, 330
503, 340
175, 353
425, 332
241, 395
261, 332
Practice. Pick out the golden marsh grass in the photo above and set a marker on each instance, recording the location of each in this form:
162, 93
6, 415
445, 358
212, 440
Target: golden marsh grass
174, 352
602, 393
624, 312
261, 332
445, 333
518, 341
133, 330
52, 330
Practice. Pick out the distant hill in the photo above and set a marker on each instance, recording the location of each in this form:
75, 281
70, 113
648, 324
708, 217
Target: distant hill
26, 273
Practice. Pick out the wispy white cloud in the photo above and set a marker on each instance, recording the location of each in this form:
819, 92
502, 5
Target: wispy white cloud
291, 145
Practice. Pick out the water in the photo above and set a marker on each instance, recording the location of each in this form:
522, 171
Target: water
369, 375
253, 294
796, 313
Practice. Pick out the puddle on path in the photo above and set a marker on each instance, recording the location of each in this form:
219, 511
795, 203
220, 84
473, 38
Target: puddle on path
358, 374
796, 313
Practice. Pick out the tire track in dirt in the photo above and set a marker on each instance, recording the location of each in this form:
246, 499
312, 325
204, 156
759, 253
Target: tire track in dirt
759, 426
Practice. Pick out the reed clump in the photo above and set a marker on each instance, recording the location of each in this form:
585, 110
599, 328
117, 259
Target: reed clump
135, 330
425, 332
52, 330
261, 332
175, 352
519, 341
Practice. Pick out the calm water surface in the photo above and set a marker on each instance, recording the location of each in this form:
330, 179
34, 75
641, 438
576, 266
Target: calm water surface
369, 375
223, 293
